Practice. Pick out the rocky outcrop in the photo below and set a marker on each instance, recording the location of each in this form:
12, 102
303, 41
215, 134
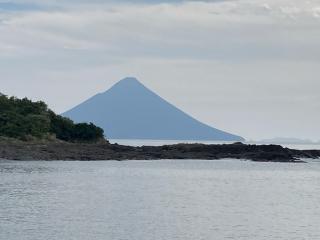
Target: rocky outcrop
106, 151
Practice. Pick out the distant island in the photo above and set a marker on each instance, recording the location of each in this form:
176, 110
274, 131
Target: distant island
286, 140
31, 131
129, 110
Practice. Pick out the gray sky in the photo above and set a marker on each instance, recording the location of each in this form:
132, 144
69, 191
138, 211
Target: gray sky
250, 67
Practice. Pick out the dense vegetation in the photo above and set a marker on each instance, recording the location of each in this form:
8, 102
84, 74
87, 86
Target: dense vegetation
24, 119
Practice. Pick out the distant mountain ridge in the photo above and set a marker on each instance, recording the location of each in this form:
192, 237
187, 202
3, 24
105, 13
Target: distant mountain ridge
129, 110
286, 140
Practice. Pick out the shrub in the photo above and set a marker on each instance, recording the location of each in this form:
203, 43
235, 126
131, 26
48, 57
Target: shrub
22, 119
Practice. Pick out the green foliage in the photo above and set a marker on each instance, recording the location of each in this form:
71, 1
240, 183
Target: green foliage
22, 118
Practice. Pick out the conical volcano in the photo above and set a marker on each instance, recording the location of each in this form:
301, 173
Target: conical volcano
129, 110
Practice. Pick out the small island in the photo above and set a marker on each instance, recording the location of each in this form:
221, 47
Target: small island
31, 131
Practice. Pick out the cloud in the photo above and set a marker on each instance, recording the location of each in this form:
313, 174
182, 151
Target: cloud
194, 30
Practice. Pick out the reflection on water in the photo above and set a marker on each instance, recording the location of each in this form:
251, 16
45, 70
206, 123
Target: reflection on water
140, 200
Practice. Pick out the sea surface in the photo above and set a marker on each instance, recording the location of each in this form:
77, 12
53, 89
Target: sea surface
159, 200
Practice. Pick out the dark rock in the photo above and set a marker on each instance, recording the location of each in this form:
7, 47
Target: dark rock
105, 151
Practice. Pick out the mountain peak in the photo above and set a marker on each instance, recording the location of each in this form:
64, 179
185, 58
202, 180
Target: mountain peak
129, 110
129, 80
127, 86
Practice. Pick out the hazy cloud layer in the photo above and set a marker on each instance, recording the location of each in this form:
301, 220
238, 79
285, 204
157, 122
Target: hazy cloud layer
246, 66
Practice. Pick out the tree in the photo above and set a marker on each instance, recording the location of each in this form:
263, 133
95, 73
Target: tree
20, 118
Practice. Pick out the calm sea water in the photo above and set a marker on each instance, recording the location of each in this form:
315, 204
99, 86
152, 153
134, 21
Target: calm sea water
159, 200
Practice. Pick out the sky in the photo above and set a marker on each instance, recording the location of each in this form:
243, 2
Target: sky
249, 67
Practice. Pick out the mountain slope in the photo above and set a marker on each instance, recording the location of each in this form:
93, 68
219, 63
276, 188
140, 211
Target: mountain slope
131, 111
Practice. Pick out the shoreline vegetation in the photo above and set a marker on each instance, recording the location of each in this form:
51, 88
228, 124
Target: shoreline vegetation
25, 120
31, 131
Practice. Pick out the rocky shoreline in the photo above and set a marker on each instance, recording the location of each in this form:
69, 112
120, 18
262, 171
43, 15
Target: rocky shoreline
12, 150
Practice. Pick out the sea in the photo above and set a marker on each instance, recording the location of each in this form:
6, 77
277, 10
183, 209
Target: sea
159, 200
